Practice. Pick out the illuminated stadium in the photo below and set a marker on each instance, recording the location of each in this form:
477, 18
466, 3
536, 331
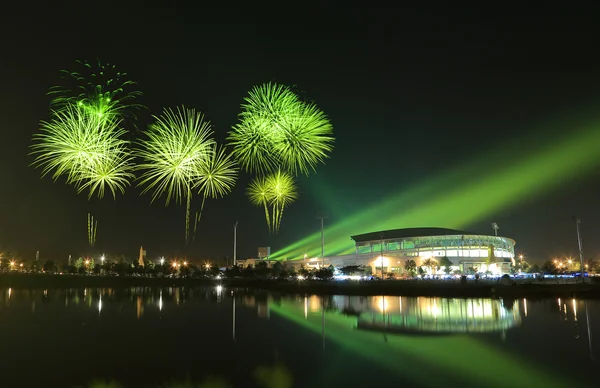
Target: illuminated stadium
468, 252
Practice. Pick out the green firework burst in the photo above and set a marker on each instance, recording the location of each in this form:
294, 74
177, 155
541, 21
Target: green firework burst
180, 157
275, 191
85, 148
99, 88
277, 129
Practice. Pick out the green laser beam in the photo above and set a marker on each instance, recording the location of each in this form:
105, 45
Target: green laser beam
429, 361
463, 196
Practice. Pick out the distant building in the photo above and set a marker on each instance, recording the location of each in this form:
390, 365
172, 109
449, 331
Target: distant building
142, 257
252, 262
388, 251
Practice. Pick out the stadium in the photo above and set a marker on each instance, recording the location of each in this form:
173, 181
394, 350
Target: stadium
387, 251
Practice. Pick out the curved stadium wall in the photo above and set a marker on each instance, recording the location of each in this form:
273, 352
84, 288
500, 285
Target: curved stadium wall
467, 251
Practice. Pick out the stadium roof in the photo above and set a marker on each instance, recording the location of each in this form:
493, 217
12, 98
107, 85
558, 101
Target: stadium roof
408, 232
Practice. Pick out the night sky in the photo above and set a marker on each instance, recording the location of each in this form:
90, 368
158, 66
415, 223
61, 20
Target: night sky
411, 93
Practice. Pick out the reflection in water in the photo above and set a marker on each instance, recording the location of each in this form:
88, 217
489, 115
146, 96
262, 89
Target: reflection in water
589, 332
160, 301
382, 329
233, 314
434, 315
386, 314
139, 307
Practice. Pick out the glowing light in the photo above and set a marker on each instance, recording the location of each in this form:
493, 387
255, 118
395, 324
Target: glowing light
100, 89
180, 156
279, 130
276, 191
88, 151
305, 307
449, 199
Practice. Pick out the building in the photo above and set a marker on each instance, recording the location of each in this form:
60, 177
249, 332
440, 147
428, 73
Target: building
387, 251
243, 263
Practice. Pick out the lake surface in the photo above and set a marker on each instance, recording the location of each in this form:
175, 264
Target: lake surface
150, 337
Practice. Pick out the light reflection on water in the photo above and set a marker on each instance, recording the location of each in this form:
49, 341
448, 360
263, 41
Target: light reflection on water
375, 328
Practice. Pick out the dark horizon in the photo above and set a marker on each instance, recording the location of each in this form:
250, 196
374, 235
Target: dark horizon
413, 94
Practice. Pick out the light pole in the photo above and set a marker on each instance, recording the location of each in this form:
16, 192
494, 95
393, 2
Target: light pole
495, 227
235, 244
322, 241
381, 253
578, 222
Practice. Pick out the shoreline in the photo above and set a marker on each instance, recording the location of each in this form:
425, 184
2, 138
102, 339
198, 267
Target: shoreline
480, 289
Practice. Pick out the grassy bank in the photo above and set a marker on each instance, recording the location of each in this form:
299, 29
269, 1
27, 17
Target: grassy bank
388, 287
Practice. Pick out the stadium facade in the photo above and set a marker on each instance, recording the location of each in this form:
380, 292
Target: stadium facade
387, 251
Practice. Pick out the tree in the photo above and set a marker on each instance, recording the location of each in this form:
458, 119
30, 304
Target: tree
350, 270
431, 264
534, 269
548, 267
262, 270
277, 269
367, 270
446, 263
303, 271
49, 266
324, 273
78, 263
89, 265
410, 266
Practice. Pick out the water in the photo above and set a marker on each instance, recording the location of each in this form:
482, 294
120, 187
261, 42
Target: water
149, 337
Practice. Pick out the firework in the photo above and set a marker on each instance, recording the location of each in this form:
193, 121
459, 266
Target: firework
177, 147
85, 148
216, 177
283, 193
279, 130
92, 227
260, 195
304, 139
276, 191
98, 88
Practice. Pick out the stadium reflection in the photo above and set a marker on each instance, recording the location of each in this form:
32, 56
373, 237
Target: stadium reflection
394, 314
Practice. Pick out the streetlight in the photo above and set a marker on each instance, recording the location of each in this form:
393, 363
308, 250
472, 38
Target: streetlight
235, 243
185, 263
162, 261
